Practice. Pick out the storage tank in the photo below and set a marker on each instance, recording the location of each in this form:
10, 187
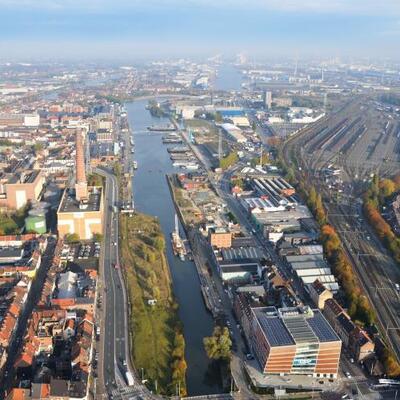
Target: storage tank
37, 212
41, 205
36, 223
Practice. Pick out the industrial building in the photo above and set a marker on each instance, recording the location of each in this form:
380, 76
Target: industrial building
81, 209
234, 132
20, 188
295, 340
312, 267
219, 238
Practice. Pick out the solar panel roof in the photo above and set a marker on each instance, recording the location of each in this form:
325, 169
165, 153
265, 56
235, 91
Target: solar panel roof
274, 329
322, 328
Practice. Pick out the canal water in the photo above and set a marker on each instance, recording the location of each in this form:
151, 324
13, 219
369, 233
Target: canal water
152, 196
228, 78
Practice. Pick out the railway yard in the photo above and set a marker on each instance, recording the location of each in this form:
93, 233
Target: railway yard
339, 155
361, 138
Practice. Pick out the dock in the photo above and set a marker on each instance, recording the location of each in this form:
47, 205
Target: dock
207, 287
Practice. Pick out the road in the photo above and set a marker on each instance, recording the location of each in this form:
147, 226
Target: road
114, 331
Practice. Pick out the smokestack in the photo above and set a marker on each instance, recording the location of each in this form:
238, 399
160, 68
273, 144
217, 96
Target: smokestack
81, 191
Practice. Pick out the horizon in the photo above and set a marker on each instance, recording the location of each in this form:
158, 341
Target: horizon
126, 31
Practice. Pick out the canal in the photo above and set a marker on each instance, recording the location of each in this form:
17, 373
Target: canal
228, 78
152, 196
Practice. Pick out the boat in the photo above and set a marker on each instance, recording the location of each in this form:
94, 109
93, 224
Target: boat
161, 128
172, 138
132, 150
135, 165
178, 245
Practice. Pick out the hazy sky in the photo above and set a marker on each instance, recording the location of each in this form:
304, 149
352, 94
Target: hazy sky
124, 29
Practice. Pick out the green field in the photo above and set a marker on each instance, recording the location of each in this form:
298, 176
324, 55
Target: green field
158, 343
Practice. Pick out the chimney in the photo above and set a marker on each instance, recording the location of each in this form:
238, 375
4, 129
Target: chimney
81, 190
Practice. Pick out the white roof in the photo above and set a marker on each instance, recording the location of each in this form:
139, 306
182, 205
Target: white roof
67, 285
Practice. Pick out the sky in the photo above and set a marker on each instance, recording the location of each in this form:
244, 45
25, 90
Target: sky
132, 29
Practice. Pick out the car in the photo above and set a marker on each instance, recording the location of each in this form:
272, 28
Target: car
249, 356
397, 286
348, 375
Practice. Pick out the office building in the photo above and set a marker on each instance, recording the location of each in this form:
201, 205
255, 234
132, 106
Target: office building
295, 340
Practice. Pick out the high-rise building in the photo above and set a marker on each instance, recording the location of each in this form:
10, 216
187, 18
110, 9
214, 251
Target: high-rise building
268, 99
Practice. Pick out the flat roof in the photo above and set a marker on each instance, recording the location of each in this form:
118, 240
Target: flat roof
239, 253
70, 204
294, 325
251, 268
309, 265
304, 257
273, 327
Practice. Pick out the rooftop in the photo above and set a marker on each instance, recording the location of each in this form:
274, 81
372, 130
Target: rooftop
239, 253
290, 326
70, 204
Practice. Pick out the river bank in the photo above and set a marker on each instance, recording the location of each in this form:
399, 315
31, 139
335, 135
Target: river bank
157, 342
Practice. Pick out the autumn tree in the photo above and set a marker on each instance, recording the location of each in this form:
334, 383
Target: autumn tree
386, 187
218, 346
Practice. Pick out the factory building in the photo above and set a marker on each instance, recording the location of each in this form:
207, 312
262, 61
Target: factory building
220, 238
20, 188
81, 209
295, 340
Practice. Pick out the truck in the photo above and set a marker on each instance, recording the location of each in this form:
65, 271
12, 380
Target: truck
129, 379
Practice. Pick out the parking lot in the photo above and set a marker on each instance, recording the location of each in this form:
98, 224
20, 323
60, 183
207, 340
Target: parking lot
80, 251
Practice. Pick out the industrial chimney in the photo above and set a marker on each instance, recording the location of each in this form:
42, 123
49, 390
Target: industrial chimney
81, 189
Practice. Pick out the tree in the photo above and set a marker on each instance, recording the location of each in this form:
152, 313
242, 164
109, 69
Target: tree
37, 147
95, 180
98, 237
218, 346
218, 118
71, 238
312, 198
159, 243
231, 159
387, 187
